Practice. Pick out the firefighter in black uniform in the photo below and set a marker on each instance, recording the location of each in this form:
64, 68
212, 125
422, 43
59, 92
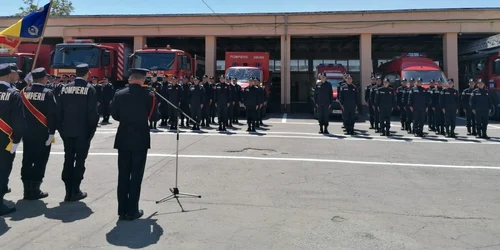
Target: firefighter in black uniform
236, 99
323, 98
400, 101
436, 107
449, 104
213, 109
163, 105
373, 96
430, 113
56, 87
108, 93
348, 100
78, 119
186, 84
12, 126
222, 99
132, 107
41, 113
419, 101
251, 100
385, 102
174, 95
263, 106
196, 101
205, 121
368, 89
481, 105
156, 86
98, 91
21, 83
464, 100
230, 109
409, 111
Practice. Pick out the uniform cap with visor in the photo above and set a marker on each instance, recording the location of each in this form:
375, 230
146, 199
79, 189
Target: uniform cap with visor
5, 69
38, 73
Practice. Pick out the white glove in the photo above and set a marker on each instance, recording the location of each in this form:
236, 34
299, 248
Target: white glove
49, 140
14, 148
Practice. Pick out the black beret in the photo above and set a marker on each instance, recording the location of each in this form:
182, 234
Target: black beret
5, 69
38, 73
139, 71
81, 69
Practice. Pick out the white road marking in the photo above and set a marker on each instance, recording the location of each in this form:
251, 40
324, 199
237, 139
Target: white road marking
283, 120
313, 136
361, 124
397, 164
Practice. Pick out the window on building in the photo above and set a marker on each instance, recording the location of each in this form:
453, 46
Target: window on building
354, 66
329, 61
343, 62
294, 65
277, 65
382, 61
271, 65
316, 63
221, 65
438, 63
303, 65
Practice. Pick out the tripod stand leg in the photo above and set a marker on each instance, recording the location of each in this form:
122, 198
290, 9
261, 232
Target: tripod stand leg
177, 198
167, 198
190, 195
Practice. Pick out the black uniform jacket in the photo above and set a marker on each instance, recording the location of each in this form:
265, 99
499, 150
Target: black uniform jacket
43, 100
132, 107
11, 112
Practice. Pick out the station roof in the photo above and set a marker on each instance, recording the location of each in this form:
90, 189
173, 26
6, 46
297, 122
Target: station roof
285, 13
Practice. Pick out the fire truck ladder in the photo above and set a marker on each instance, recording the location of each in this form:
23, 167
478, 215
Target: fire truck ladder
479, 48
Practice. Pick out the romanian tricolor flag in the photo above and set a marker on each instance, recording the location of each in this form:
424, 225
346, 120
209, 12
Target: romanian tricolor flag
30, 28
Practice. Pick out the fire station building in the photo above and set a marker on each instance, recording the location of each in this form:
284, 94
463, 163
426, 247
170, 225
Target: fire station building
297, 42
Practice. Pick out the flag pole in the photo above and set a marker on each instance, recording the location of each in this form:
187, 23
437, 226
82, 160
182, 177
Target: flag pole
41, 37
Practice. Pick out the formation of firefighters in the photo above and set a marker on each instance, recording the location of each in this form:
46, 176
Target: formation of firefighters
438, 105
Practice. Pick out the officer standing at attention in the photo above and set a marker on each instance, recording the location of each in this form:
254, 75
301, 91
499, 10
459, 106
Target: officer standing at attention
41, 113
436, 107
373, 95
132, 108
263, 106
385, 101
186, 84
78, 120
237, 100
323, 95
196, 100
98, 90
419, 101
481, 105
464, 99
205, 116
430, 113
12, 127
174, 95
449, 103
406, 101
348, 101
213, 109
251, 100
367, 100
400, 92
222, 99
108, 93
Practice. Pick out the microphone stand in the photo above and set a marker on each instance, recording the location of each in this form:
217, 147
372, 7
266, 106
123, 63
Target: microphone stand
175, 190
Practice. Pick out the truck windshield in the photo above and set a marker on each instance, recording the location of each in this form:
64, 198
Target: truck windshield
426, 75
8, 59
154, 61
70, 56
243, 74
334, 82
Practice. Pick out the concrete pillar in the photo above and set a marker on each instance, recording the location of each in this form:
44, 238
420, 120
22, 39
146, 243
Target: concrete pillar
66, 38
366, 63
285, 73
139, 42
450, 56
210, 55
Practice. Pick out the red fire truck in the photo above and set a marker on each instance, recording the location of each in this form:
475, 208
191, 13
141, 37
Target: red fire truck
107, 59
25, 55
411, 65
335, 75
167, 62
243, 65
481, 60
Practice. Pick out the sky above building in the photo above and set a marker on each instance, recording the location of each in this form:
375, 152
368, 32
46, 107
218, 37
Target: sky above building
92, 7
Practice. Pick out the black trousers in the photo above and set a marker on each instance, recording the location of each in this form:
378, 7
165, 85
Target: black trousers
418, 120
324, 114
213, 110
471, 119
431, 118
376, 117
262, 111
105, 110
131, 165
450, 117
438, 118
196, 112
372, 114
236, 110
35, 158
173, 115
205, 112
185, 108
230, 112
251, 113
76, 150
482, 119
402, 114
385, 118
349, 116
6, 162
222, 111
409, 118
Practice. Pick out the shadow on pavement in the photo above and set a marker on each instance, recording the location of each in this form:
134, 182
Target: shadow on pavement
28, 209
68, 212
135, 234
3, 226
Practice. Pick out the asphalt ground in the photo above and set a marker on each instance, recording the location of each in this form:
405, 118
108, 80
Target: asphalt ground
285, 187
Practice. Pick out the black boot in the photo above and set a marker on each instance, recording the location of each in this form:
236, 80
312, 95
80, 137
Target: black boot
321, 129
76, 193
35, 192
442, 131
469, 131
485, 136
68, 188
4, 209
452, 132
325, 131
155, 125
249, 129
403, 126
479, 135
193, 128
203, 123
26, 192
224, 127
253, 127
220, 127
474, 131
387, 132
448, 131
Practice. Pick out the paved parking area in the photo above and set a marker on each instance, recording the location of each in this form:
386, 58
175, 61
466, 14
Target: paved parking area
285, 187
